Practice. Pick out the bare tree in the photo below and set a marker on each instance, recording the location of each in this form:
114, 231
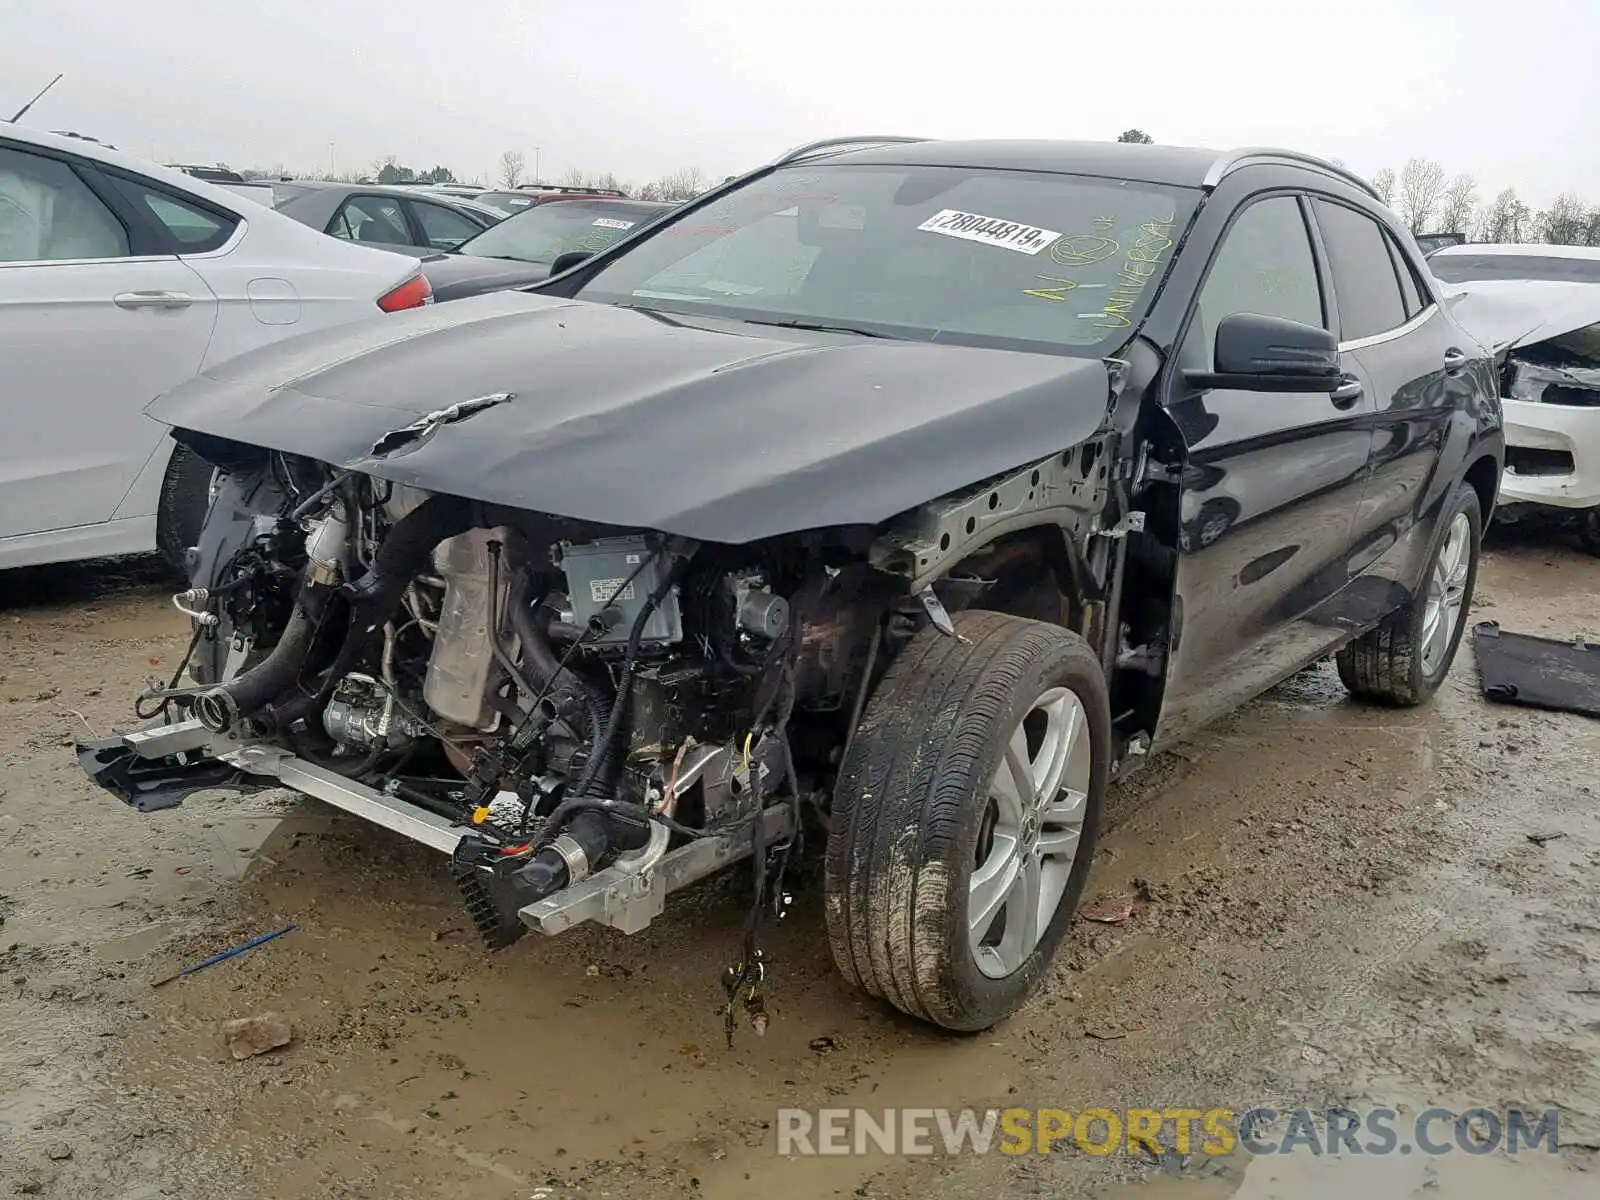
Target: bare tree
1421, 186
511, 168
1460, 205
1383, 184
576, 177
680, 185
1505, 219
1566, 221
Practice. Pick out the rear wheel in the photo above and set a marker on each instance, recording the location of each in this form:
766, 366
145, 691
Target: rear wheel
181, 509
1405, 659
965, 818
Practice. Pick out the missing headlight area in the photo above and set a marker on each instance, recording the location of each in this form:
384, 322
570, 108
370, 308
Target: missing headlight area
1549, 375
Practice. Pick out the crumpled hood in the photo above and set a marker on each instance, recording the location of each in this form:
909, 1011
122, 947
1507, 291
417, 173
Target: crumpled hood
630, 419
1506, 313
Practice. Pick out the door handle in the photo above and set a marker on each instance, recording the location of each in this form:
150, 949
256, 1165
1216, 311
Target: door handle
1347, 393
152, 299
1454, 360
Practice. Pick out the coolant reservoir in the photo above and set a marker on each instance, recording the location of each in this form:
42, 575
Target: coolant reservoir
459, 671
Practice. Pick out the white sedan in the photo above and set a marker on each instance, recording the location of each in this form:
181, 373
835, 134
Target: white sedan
120, 279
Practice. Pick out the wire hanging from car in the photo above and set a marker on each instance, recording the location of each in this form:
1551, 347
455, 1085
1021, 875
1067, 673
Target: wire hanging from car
743, 979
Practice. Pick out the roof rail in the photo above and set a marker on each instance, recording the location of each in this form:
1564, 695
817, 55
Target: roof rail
569, 189
1235, 159
839, 143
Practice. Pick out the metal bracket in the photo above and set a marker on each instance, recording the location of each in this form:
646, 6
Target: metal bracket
627, 895
1132, 523
937, 613
262, 759
629, 898
1065, 490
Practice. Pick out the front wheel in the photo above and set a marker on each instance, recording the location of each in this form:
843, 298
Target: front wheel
965, 818
1405, 659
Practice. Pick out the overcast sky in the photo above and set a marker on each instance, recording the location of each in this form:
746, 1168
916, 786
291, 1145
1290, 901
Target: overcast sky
1503, 90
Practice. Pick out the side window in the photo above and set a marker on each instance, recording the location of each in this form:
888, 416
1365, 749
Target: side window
48, 213
1265, 267
370, 219
1364, 277
444, 228
1410, 290
194, 229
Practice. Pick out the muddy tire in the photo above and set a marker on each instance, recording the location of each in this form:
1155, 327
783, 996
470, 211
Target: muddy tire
965, 818
181, 508
1405, 659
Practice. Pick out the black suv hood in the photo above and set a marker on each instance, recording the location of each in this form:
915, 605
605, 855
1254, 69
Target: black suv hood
624, 418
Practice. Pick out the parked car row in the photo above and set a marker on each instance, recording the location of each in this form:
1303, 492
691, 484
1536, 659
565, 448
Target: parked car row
387, 218
522, 249
514, 200
468, 247
471, 241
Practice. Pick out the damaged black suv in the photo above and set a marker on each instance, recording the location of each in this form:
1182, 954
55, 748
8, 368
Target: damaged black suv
901, 492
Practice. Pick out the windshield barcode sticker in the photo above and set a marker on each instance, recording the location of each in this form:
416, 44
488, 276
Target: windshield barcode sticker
991, 231
612, 223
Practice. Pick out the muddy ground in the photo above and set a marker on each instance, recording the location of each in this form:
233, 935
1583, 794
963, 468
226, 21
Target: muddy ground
1329, 904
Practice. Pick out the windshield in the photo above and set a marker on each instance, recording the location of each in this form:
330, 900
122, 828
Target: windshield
983, 257
540, 234
1464, 268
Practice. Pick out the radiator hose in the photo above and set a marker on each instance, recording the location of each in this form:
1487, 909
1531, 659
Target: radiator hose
220, 707
404, 554
373, 598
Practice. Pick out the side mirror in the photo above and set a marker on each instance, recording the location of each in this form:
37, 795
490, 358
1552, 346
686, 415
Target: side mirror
568, 260
1270, 354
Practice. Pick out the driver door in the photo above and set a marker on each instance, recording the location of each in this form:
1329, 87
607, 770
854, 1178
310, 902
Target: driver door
1271, 483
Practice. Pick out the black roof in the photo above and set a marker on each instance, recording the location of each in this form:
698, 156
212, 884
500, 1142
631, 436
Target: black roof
1172, 166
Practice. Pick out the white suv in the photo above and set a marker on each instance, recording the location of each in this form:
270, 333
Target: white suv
120, 279
1538, 308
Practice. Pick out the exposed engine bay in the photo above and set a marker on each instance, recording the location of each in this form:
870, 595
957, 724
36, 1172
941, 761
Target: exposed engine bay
569, 695
585, 718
